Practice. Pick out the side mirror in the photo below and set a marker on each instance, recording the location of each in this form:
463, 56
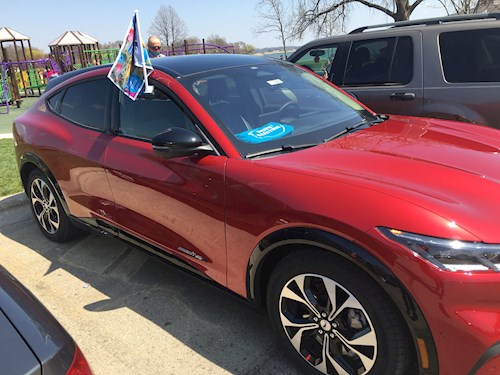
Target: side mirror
177, 142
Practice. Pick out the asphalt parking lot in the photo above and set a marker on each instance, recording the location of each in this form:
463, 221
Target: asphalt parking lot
132, 314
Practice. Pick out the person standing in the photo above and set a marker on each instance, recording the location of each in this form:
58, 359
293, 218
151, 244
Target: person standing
154, 47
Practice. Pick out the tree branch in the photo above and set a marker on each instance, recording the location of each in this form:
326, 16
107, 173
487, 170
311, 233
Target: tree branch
414, 5
378, 7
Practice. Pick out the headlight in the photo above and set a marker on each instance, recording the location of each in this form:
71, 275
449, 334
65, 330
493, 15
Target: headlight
447, 254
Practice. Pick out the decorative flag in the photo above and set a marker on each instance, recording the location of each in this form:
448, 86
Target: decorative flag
132, 66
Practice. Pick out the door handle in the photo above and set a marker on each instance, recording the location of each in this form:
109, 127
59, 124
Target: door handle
402, 96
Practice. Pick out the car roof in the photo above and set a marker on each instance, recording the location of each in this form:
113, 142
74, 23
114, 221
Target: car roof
181, 66
55, 81
431, 21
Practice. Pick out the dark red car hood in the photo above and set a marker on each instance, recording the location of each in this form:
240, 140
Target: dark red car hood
451, 169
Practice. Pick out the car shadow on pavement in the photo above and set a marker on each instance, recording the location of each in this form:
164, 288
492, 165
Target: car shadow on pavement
198, 317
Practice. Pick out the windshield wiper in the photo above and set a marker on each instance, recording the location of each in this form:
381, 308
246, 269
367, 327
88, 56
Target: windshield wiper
283, 148
288, 148
349, 129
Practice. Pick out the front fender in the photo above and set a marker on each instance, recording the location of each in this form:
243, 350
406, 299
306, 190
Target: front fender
277, 245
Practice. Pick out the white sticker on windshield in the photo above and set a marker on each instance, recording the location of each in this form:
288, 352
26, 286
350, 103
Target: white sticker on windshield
274, 82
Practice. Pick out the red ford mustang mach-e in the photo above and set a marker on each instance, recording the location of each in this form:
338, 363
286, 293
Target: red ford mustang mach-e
372, 241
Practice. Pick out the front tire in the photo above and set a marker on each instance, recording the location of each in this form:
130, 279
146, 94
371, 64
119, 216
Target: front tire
334, 319
47, 209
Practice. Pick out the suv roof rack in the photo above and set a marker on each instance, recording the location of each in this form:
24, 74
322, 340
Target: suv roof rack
431, 21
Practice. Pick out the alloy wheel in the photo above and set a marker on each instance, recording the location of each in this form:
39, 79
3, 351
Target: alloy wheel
327, 325
44, 206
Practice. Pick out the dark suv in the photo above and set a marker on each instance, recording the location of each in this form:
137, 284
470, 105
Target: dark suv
442, 67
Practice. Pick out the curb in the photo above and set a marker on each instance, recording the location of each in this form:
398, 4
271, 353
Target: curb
12, 201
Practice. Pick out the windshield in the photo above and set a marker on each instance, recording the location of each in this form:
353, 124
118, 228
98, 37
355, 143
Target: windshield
274, 106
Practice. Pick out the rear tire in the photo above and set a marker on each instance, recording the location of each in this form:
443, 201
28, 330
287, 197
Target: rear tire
47, 209
334, 318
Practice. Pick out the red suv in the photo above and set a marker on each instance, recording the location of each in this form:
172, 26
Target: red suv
372, 241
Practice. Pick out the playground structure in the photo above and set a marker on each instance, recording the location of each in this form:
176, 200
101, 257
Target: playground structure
11, 36
5, 94
71, 50
24, 78
9, 91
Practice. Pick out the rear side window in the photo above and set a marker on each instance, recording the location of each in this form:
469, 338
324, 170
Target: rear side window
380, 62
86, 103
471, 56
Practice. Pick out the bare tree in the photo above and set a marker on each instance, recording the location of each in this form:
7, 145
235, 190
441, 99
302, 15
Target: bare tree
193, 40
331, 23
168, 26
217, 40
276, 18
460, 6
312, 12
244, 48
487, 6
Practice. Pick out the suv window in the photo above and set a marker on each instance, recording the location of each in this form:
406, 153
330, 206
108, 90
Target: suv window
150, 115
471, 56
319, 59
85, 103
380, 61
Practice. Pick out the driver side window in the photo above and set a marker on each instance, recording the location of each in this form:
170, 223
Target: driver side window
151, 114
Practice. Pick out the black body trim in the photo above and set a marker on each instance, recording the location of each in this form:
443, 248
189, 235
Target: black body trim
492, 352
156, 252
109, 230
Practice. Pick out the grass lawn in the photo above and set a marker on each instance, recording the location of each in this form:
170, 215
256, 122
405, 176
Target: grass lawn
9, 175
10, 182
6, 120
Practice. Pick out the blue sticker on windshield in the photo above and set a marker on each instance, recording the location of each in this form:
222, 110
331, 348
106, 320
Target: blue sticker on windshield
266, 133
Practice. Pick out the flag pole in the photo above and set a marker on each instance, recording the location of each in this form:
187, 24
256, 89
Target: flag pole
147, 88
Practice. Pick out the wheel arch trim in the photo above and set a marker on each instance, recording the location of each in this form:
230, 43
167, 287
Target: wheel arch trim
28, 162
274, 247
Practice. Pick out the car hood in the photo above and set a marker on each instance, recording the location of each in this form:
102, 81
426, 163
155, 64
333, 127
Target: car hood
451, 169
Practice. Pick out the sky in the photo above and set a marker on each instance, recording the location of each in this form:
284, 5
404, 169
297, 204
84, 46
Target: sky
108, 20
